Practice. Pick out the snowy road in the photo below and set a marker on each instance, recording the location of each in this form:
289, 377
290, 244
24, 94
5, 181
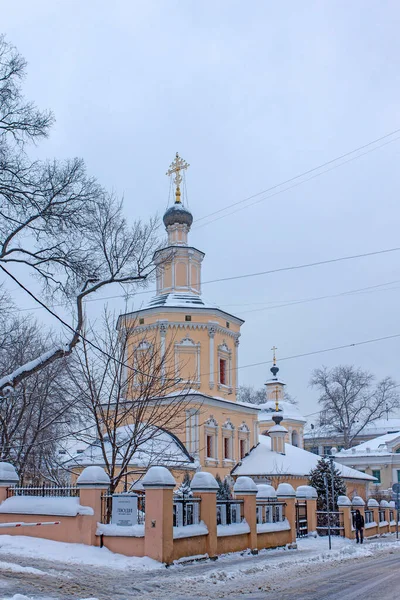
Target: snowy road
48, 570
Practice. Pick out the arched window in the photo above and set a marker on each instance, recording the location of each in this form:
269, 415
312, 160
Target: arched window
211, 440
244, 440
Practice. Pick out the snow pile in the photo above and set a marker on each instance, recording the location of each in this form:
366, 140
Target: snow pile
235, 529
269, 527
190, 530
36, 505
74, 554
119, 530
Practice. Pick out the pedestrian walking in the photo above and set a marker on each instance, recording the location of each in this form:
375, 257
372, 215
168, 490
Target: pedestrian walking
358, 523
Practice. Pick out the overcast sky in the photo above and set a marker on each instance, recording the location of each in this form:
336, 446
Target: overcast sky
250, 94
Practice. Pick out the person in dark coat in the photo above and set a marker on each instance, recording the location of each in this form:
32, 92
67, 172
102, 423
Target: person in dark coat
359, 526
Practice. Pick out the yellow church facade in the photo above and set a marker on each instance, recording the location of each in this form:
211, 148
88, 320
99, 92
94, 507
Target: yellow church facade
200, 343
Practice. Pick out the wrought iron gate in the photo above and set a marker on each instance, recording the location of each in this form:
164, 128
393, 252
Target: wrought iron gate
301, 519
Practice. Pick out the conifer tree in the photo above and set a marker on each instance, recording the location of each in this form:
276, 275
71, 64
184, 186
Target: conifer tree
224, 492
184, 489
316, 479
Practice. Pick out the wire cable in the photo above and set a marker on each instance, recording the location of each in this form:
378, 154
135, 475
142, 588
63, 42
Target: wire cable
303, 174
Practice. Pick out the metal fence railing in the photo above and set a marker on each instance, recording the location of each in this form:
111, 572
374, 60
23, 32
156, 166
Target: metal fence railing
270, 511
369, 516
43, 490
229, 512
186, 511
332, 520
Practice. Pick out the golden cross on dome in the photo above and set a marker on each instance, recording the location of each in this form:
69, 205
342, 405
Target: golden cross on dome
175, 168
274, 349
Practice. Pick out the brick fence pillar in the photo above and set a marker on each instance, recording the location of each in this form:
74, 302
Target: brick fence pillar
8, 477
245, 489
373, 505
344, 506
205, 486
286, 493
158, 540
92, 483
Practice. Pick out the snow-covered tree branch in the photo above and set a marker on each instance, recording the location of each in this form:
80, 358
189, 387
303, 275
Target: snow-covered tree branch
56, 221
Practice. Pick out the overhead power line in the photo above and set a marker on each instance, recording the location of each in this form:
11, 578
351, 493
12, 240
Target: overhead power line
301, 175
242, 276
303, 266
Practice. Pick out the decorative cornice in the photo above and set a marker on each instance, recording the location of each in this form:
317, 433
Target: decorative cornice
163, 325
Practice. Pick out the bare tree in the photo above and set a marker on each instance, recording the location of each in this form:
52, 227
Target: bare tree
350, 399
248, 393
39, 411
56, 222
131, 409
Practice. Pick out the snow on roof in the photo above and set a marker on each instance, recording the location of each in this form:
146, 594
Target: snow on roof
289, 411
180, 300
188, 300
379, 446
375, 428
160, 447
261, 460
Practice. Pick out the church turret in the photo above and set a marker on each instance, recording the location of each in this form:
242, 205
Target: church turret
277, 433
178, 265
274, 386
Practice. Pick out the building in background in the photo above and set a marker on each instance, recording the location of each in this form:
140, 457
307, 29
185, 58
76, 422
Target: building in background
321, 439
379, 457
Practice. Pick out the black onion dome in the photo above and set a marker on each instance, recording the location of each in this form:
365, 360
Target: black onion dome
178, 214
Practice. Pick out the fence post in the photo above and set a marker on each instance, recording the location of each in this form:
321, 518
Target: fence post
286, 492
91, 484
384, 506
8, 477
245, 489
344, 506
309, 495
373, 505
205, 487
158, 541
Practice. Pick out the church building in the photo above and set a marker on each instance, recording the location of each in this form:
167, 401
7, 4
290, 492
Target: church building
200, 342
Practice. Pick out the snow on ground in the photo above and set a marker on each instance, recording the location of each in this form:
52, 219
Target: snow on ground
73, 553
101, 571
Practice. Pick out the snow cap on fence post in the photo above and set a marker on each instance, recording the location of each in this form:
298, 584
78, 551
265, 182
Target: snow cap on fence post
204, 482
93, 477
8, 474
158, 477
372, 503
285, 490
384, 504
266, 491
306, 492
358, 501
245, 486
343, 501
